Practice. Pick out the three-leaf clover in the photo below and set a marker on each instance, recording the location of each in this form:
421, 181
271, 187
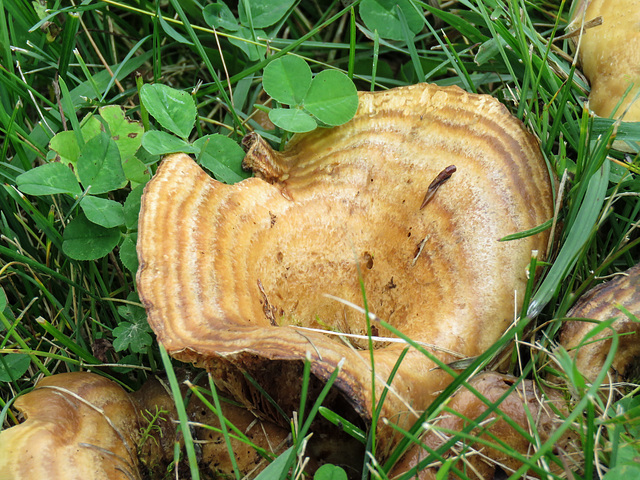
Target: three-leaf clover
329, 98
103, 162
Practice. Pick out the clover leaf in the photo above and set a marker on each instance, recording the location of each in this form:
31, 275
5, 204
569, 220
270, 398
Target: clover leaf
329, 98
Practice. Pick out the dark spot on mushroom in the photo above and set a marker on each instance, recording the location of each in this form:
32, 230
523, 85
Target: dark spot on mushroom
279, 257
391, 283
368, 260
273, 219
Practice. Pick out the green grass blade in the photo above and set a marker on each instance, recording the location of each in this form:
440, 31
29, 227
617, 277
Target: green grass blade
71, 25
182, 414
578, 236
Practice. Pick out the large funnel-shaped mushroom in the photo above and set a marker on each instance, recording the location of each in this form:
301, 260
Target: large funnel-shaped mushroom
233, 277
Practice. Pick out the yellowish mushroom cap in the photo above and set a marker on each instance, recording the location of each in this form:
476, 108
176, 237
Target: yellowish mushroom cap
610, 55
252, 278
79, 426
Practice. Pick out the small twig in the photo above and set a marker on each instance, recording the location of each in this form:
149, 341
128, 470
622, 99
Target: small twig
224, 65
99, 54
590, 24
420, 248
267, 308
33, 99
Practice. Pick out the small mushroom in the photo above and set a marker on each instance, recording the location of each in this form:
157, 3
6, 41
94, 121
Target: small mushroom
610, 54
533, 410
78, 426
249, 280
83, 426
612, 299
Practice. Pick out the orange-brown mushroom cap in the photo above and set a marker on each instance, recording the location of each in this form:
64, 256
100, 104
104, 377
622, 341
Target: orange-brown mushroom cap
83, 426
79, 426
233, 276
613, 299
534, 411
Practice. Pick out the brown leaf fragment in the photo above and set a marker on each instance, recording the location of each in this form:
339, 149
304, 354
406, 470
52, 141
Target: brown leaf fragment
442, 177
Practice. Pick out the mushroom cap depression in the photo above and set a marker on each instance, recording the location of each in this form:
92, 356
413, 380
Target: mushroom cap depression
236, 277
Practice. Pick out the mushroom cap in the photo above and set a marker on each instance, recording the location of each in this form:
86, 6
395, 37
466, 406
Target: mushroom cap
527, 402
610, 54
234, 276
78, 426
611, 299
83, 426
